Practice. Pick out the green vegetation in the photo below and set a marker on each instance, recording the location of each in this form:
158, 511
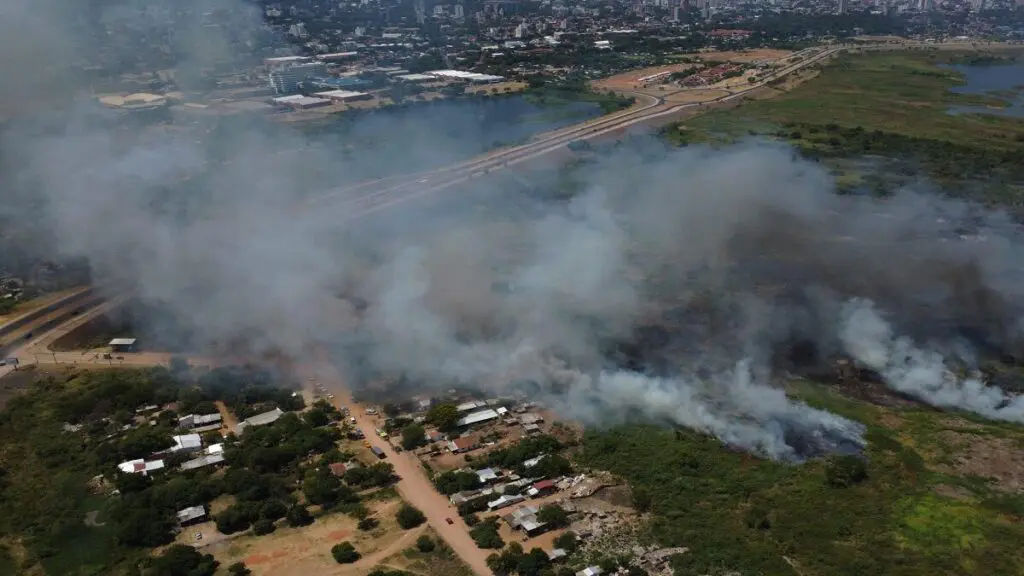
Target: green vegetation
901, 510
413, 436
513, 560
453, 481
562, 93
485, 534
344, 553
408, 516
182, 560
57, 483
884, 104
444, 416
425, 544
553, 516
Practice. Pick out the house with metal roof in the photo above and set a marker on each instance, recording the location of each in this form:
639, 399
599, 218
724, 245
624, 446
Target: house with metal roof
260, 419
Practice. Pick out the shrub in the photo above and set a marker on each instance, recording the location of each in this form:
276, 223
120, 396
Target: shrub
425, 544
299, 516
344, 553
409, 517
263, 526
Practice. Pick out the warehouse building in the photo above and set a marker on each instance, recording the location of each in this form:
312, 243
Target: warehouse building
343, 95
463, 76
299, 102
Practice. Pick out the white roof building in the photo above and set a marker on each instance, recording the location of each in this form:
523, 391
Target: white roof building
504, 501
122, 342
487, 475
191, 514
261, 419
471, 405
205, 460
186, 443
590, 571
478, 417
140, 466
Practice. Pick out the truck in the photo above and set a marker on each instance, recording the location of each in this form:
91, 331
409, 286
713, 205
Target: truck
378, 452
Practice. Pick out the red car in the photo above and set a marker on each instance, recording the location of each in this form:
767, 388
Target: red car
449, 520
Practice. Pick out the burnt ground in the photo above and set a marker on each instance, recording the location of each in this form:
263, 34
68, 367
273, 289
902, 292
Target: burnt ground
15, 383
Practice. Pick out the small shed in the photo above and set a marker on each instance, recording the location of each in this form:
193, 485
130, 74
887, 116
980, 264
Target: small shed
120, 345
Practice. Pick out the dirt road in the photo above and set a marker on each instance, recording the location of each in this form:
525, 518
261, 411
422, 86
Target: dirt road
413, 486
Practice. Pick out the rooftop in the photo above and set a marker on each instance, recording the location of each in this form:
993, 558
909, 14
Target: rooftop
206, 460
191, 513
261, 419
477, 417
186, 442
122, 342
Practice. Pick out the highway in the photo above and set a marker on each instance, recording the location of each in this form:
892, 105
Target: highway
369, 197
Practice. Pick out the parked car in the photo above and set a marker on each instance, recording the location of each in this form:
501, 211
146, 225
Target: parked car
449, 520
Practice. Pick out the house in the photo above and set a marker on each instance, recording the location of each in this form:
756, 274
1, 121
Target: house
531, 428
202, 461
140, 466
531, 418
470, 406
191, 515
260, 419
590, 571
463, 444
525, 518
200, 422
186, 443
504, 501
487, 475
557, 554
338, 469
542, 488
122, 345
434, 436
533, 461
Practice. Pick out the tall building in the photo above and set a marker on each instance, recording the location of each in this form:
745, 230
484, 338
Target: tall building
286, 80
841, 8
706, 12
459, 12
978, 5
925, 5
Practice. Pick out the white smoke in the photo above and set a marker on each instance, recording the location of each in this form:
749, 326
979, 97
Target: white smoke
730, 406
918, 372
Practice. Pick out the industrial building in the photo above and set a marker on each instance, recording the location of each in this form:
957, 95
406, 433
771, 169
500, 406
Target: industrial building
343, 95
285, 61
300, 102
525, 518
337, 56
416, 78
200, 422
121, 345
140, 466
463, 76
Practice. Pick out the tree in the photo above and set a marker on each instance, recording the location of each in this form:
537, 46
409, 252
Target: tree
183, 560
234, 518
413, 436
507, 562
409, 516
844, 471
263, 526
273, 510
344, 553
532, 563
567, 541
239, 569
485, 534
299, 516
425, 544
641, 498
444, 416
553, 516
367, 524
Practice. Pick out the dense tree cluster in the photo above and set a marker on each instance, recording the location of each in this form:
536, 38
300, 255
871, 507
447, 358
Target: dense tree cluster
485, 534
523, 450
444, 417
344, 553
453, 481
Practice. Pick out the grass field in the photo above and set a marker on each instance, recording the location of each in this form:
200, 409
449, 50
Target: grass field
940, 497
886, 104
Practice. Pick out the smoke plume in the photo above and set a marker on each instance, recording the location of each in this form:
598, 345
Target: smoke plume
667, 290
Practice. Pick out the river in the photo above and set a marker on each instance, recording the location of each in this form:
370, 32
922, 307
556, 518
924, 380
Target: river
1002, 81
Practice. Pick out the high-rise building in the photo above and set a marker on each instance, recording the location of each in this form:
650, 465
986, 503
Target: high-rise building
286, 80
978, 5
841, 8
706, 12
459, 12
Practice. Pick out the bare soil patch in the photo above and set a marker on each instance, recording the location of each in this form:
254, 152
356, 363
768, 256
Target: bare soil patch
307, 550
758, 55
986, 456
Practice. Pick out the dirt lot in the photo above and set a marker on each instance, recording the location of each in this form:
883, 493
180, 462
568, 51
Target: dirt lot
500, 87
743, 56
442, 561
630, 80
307, 550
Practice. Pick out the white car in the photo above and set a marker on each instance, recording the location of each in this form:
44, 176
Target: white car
199, 535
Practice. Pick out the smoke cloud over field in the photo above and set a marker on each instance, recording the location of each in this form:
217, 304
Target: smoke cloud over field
671, 290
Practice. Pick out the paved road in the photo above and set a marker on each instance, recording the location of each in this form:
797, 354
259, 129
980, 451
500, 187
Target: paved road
413, 486
369, 197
